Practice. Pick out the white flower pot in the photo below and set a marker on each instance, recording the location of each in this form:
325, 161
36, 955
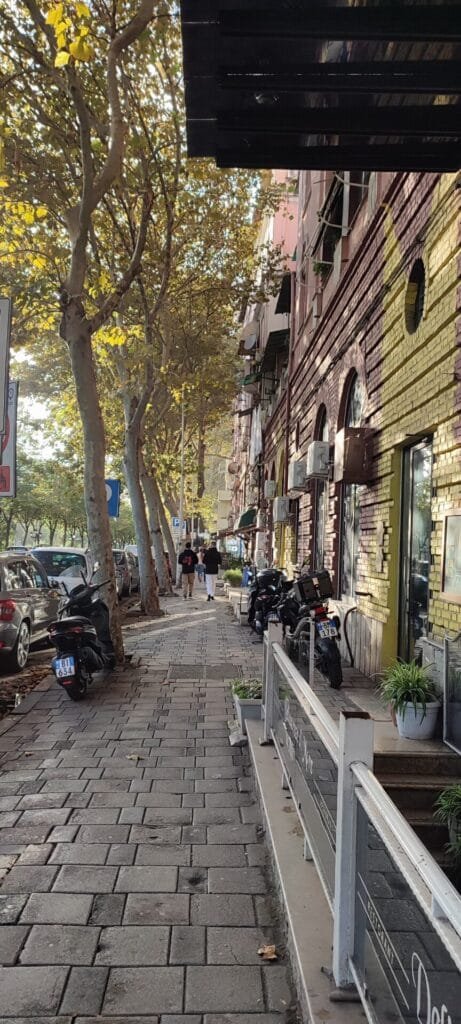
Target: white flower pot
245, 709
415, 725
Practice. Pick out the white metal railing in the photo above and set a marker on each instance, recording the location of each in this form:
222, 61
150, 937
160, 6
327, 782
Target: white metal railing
361, 802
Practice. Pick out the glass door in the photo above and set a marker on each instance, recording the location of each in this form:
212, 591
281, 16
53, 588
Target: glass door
415, 556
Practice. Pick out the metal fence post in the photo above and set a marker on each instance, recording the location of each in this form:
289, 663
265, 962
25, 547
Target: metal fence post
270, 637
311, 653
355, 745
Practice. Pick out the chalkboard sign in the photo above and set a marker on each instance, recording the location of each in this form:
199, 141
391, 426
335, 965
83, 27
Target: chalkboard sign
451, 560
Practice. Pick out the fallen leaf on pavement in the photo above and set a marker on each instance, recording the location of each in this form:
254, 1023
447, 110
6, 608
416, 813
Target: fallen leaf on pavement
268, 953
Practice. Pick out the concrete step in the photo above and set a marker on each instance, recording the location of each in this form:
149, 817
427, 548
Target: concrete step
414, 792
437, 762
432, 833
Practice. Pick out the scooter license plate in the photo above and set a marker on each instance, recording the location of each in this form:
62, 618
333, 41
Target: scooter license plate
64, 667
327, 630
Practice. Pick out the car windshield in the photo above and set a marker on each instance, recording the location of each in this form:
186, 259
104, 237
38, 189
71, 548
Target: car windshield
57, 563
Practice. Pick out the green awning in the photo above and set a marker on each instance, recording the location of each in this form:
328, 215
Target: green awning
247, 519
251, 378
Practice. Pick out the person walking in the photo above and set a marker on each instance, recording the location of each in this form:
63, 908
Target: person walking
188, 560
201, 565
212, 560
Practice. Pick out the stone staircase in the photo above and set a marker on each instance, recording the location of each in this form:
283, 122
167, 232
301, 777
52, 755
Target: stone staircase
414, 781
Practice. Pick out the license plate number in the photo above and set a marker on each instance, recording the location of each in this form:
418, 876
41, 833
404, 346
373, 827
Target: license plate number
64, 667
327, 630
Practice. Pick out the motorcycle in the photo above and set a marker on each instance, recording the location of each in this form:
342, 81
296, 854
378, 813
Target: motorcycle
82, 639
306, 605
264, 596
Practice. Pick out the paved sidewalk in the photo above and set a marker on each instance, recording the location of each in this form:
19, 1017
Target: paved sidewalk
134, 882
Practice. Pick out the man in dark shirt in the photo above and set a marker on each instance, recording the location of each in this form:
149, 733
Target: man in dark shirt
188, 560
212, 559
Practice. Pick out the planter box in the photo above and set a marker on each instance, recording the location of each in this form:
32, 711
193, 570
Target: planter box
244, 709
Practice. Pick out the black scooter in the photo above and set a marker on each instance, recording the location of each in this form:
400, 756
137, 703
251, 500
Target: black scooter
82, 639
306, 605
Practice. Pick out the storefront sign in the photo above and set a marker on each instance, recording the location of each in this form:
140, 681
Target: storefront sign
8, 445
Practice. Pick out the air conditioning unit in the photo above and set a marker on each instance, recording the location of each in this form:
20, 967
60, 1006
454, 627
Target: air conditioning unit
281, 510
297, 476
354, 455
270, 488
318, 455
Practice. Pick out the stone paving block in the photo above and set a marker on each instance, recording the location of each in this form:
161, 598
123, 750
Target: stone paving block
220, 909
75, 878
167, 816
112, 800
158, 799
12, 938
232, 834
56, 908
24, 836
78, 800
193, 879
243, 1018
63, 834
193, 800
65, 786
85, 990
236, 945
107, 909
163, 855
29, 879
224, 989
222, 773
217, 816
107, 786
232, 799
60, 944
194, 834
216, 786
197, 774
79, 853
265, 913
244, 880
94, 816
131, 816
33, 854
218, 856
278, 990
140, 786
9, 818
160, 836
150, 908
104, 834
251, 815
137, 946
187, 945
37, 1020
121, 853
144, 990
147, 879
10, 908
181, 1018
173, 786
31, 991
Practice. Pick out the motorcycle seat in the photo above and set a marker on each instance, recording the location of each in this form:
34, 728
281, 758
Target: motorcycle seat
61, 625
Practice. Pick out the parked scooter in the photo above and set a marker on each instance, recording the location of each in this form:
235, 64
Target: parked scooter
265, 591
307, 604
82, 639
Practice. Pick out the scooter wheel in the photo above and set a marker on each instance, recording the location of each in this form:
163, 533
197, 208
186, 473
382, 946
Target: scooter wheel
77, 691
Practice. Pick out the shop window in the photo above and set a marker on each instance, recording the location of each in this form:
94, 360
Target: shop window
414, 297
350, 505
321, 497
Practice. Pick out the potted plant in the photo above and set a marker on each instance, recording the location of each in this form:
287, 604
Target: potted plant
247, 694
411, 695
448, 811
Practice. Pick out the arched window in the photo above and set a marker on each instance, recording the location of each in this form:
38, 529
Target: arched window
350, 509
321, 496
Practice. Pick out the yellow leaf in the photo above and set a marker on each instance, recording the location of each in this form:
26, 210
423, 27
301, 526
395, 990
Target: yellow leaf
82, 10
28, 217
53, 17
62, 58
61, 41
41, 212
4, 183
61, 27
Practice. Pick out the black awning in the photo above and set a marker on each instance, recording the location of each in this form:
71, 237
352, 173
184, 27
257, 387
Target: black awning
266, 87
284, 299
278, 341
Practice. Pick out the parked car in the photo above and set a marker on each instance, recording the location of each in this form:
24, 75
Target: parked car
17, 549
65, 565
126, 571
28, 604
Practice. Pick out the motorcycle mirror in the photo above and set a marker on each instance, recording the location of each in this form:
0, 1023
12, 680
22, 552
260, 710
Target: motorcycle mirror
95, 568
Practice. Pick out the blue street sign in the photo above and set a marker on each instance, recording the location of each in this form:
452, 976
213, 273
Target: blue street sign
113, 490
175, 522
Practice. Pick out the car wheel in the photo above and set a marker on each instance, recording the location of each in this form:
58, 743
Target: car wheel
18, 658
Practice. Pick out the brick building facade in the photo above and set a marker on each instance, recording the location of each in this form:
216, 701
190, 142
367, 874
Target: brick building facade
374, 346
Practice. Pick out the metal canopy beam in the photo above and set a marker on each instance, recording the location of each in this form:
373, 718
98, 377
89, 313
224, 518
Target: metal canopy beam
434, 158
429, 23
391, 121
428, 76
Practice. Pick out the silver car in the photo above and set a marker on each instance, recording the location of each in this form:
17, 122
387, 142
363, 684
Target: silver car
28, 603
